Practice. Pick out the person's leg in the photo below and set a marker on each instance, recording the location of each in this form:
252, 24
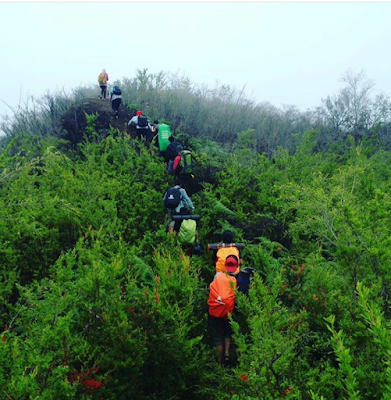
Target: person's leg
148, 135
227, 345
115, 105
217, 333
170, 169
227, 342
170, 228
219, 348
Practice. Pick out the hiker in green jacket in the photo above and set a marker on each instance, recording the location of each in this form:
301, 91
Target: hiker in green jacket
163, 137
186, 231
188, 236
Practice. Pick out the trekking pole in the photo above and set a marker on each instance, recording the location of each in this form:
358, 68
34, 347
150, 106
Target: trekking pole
182, 217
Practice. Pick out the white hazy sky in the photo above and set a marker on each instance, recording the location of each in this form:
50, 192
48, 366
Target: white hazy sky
285, 53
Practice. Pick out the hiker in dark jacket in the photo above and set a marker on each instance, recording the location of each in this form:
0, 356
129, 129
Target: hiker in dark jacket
176, 165
184, 202
171, 153
115, 99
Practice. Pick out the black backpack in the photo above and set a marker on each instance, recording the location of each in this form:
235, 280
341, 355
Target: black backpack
173, 198
142, 121
117, 90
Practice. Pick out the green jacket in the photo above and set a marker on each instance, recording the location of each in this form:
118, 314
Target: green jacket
163, 134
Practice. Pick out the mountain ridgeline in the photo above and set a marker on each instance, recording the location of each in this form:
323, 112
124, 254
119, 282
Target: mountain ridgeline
98, 302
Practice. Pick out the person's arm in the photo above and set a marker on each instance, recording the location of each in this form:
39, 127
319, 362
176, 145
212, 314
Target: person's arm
187, 199
107, 77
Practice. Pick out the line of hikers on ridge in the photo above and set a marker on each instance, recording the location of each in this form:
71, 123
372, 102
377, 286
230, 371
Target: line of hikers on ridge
230, 276
226, 258
114, 95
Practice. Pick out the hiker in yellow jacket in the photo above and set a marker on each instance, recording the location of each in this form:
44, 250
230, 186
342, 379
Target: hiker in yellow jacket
220, 255
103, 78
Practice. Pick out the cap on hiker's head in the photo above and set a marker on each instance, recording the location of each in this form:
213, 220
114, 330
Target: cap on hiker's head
139, 112
231, 264
179, 148
103, 70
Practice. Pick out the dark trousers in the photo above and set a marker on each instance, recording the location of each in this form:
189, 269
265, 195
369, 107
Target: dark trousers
115, 105
144, 133
103, 89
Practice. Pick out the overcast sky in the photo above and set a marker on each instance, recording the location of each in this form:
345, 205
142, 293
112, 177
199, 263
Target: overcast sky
285, 53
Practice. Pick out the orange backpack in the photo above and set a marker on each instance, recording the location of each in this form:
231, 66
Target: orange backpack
222, 254
221, 300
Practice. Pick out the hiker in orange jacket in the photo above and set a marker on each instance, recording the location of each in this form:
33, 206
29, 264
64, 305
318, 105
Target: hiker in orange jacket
103, 78
220, 326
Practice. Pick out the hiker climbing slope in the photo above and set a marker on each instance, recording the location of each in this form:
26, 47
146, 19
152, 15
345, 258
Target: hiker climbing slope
163, 135
115, 99
171, 153
143, 126
103, 78
221, 304
176, 198
223, 250
183, 165
185, 226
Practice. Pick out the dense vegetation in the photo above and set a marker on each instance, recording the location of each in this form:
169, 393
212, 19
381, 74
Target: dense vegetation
96, 301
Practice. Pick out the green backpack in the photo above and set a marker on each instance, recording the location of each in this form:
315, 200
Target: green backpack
186, 162
187, 232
